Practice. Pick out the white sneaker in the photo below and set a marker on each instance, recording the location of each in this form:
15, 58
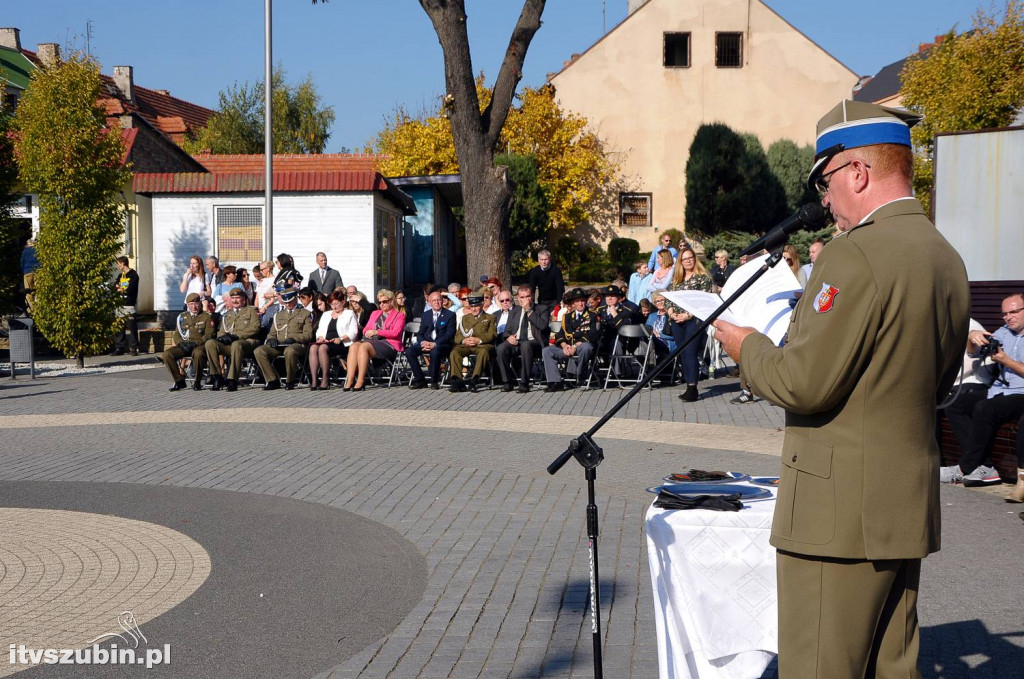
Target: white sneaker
982, 476
951, 474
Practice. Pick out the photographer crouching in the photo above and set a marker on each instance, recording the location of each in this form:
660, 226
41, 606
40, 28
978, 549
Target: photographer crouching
977, 413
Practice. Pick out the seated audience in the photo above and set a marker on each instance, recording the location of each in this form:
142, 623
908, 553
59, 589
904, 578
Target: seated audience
523, 333
290, 331
238, 338
474, 336
578, 336
382, 338
194, 328
639, 282
337, 330
435, 340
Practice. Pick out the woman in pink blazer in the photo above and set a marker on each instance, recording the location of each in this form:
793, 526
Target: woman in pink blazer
382, 338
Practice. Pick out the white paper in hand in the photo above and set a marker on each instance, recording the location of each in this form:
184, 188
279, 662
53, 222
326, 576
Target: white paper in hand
766, 306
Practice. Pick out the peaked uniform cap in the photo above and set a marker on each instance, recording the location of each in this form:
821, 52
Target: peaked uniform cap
852, 124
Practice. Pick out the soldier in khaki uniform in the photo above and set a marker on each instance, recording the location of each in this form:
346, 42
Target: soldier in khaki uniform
239, 329
194, 327
474, 335
874, 344
289, 335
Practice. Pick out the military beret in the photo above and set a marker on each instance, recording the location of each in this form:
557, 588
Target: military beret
475, 300
236, 292
194, 297
576, 293
852, 124
611, 290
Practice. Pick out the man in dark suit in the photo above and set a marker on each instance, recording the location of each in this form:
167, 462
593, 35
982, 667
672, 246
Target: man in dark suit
323, 278
436, 338
522, 331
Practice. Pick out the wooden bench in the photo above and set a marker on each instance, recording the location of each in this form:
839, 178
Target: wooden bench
986, 301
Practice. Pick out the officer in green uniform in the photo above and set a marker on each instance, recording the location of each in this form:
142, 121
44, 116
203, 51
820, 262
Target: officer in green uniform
239, 329
474, 336
194, 327
874, 343
289, 335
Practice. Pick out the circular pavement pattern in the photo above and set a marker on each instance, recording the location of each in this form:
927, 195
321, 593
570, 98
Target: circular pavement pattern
67, 578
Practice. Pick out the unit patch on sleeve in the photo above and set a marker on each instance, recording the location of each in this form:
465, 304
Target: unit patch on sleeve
826, 298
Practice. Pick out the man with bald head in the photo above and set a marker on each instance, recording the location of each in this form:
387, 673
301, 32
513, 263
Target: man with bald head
873, 345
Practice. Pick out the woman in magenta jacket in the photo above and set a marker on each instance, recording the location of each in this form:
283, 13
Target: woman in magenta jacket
382, 338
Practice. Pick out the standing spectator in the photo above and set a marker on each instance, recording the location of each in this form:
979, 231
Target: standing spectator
421, 304
128, 286
194, 279
813, 253
266, 296
546, 281
247, 286
662, 276
721, 270
323, 278
639, 282
214, 275
229, 281
453, 294
664, 246
29, 266
286, 271
400, 303
792, 257
689, 274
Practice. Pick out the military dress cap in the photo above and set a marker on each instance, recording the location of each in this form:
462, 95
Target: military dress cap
576, 293
286, 291
236, 292
852, 124
475, 300
611, 290
193, 297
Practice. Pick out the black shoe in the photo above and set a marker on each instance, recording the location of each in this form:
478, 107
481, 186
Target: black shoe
553, 387
435, 386
362, 388
690, 394
197, 384
507, 387
178, 386
418, 384
471, 384
135, 352
457, 386
288, 386
346, 388
524, 388
218, 382
231, 385
314, 386
272, 385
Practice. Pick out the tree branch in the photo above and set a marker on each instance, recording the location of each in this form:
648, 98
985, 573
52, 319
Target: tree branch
511, 71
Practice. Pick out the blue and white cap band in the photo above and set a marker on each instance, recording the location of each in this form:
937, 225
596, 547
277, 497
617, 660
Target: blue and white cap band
855, 133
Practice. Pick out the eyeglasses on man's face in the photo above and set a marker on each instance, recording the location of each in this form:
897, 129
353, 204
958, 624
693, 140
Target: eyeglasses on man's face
1012, 312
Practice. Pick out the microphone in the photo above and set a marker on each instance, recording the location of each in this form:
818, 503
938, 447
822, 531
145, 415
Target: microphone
810, 216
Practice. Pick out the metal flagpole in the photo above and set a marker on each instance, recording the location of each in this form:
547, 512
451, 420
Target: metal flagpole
268, 137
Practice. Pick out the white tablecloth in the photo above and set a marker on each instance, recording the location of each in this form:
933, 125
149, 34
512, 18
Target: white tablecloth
714, 591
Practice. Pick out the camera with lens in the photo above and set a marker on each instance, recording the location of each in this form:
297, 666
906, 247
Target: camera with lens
989, 349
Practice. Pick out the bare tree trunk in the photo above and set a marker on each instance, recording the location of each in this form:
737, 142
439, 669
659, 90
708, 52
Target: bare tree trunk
487, 196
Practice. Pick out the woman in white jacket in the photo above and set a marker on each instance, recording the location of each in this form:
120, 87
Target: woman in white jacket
336, 332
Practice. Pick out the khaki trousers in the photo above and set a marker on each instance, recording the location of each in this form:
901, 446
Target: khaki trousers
483, 357
237, 352
847, 618
175, 354
293, 355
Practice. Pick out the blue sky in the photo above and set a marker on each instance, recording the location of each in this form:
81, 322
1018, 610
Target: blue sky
368, 57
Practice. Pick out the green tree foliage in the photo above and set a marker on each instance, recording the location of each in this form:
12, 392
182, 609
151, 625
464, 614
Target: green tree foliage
301, 124
73, 163
790, 164
10, 250
729, 186
623, 253
967, 82
528, 223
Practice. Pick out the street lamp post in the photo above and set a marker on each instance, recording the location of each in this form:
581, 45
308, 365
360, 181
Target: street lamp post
268, 141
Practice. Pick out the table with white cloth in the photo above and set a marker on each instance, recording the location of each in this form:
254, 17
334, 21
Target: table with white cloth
713, 575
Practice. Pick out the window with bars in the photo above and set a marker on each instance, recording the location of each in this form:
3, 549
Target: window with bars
239, 233
677, 50
728, 50
635, 209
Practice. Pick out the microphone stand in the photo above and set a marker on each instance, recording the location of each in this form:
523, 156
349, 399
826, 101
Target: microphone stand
590, 455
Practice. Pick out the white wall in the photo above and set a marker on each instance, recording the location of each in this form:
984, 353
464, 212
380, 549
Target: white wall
979, 201
340, 225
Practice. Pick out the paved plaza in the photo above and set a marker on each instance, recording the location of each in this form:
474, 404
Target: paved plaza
392, 533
